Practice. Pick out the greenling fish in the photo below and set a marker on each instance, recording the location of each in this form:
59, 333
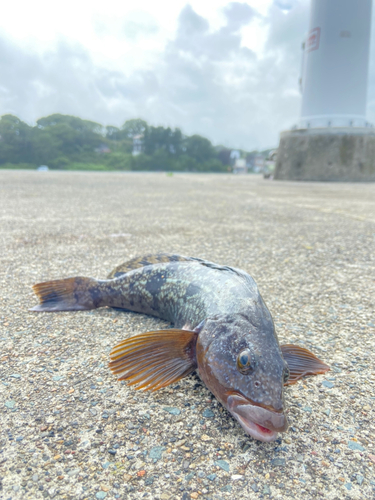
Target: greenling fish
222, 328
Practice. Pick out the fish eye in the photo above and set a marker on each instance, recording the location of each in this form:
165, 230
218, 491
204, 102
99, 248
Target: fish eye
286, 375
244, 361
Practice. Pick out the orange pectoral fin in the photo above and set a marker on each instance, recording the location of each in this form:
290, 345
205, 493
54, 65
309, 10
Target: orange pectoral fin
156, 359
301, 362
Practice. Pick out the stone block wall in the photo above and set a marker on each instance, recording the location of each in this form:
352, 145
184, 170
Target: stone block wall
326, 155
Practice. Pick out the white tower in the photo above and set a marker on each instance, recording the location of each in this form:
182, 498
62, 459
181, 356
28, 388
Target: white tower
335, 64
333, 140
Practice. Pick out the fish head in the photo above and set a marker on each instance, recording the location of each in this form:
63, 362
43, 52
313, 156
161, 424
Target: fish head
242, 364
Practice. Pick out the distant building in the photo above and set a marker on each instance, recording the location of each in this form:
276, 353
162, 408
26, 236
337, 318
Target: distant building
250, 161
234, 155
102, 149
258, 163
255, 162
240, 166
137, 144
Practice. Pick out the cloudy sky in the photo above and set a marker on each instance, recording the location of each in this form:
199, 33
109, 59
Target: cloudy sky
226, 70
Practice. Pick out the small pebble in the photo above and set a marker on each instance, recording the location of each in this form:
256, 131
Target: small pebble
354, 445
222, 464
172, 411
156, 452
359, 479
278, 462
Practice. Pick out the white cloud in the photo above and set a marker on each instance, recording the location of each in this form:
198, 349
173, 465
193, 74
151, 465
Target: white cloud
231, 75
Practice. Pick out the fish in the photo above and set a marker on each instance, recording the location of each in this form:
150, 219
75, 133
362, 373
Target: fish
221, 328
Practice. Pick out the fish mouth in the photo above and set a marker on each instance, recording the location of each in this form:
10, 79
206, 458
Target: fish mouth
260, 422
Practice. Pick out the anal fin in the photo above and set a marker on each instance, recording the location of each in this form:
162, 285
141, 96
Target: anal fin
301, 362
155, 359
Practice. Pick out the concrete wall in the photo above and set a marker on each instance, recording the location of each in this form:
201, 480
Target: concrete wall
326, 155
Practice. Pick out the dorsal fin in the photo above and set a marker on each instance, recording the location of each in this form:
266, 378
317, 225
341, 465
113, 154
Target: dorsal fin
145, 260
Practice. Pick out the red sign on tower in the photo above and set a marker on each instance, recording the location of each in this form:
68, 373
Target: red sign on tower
313, 38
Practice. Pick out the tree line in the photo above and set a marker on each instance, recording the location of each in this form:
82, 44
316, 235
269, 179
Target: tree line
70, 143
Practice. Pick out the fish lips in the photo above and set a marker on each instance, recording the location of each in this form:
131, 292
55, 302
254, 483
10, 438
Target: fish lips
261, 423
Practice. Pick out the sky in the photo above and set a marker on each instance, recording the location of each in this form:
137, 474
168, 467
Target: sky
226, 70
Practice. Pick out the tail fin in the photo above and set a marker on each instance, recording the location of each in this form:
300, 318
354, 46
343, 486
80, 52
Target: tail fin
71, 294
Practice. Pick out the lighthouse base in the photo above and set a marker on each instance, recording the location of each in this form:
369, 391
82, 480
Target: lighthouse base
326, 154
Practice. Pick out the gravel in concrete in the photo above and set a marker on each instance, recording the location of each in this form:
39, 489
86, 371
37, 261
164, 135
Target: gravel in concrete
70, 431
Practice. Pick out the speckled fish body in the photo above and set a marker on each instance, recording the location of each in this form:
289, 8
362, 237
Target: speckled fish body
221, 326
186, 292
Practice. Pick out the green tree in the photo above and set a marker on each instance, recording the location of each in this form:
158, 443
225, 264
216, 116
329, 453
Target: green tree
186, 163
118, 161
15, 140
68, 142
113, 133
199, 148
133, 127
69, 136
160, 138
81, 126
